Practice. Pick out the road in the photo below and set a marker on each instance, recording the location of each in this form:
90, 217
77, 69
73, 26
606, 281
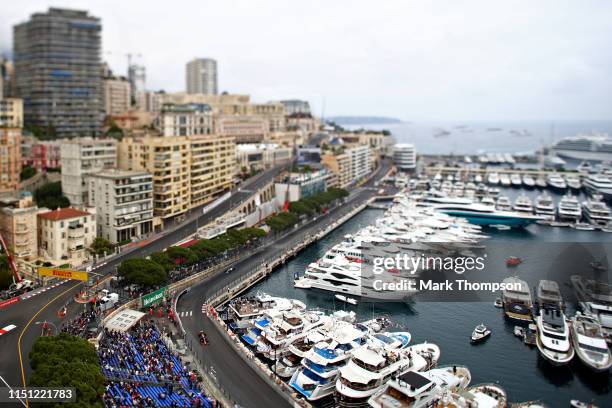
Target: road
16, 344
245, 386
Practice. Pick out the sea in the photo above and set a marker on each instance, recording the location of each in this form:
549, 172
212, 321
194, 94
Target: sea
503, 359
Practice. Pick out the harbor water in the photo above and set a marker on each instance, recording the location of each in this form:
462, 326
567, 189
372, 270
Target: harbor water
503, 358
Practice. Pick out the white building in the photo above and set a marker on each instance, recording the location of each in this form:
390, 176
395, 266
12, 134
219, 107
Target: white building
124, 203
65, 234
201, 76
404, 156
295, 186
81, 157
262, 155
185, 120
361, 161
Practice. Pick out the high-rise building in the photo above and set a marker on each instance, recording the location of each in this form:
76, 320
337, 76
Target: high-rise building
124, 203
137, 76
201, 76
350, 163
6, 78
80, 158
117, 94
11, 120
57, 71
404, 156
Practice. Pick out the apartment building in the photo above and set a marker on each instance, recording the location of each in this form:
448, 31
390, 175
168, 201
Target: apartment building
65, 234
116, 95
123, 201
18, 226
245, 129
80, 158
42, 154
57, 71
350, 163
11, 121
293, 106
295, 186
185, 120
404, 156
188, 171
261, 156
201, 76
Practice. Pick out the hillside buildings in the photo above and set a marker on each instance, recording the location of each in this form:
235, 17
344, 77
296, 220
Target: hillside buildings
262, 156
185, 120
201, 76
18, 226
11, 121
57, 71
117, 94
65, 234
350, 163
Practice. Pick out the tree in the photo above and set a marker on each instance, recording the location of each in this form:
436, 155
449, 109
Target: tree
162, 259
180, 255
68, 361
6, 274
50, 195
100, 246
27, 172
142, 272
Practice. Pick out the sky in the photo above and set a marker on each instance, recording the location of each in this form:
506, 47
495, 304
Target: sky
413, 60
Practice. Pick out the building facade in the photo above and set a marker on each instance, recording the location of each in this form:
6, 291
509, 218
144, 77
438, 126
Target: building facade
295, 186
11, 121
18, 226
57, 71
65, 234
201, 76
404, 156
124, 204
185, 120
293, 106
80, 158
261, 156
43, 154
117, 94
350, 163
137, 77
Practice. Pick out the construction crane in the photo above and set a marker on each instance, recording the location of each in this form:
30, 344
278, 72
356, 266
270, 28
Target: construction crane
128, 55
11, 261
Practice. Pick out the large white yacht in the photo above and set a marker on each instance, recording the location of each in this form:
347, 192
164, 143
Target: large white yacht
595, 299
316, 378
556, 182
516, 180
589, 343
548, 294
370, 368
568, 208
517, 302
523, 204
545, 206
596, 147
504, 179
599, 184
243, 309
503, 203
596, 212
553, 336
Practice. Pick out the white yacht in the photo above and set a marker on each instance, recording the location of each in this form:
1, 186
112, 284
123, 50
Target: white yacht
540, 182
556, 182
482, 396
392, 340
589, 343
595, 299
545, 206
286, 366
523, 204
548, 294
596, 147
370, 368
573, 182
596, 212
568, 209
516, 180
244, 309
316, 378
504, 179
503, 203
528, 181
517, 302
553, 336
599, 184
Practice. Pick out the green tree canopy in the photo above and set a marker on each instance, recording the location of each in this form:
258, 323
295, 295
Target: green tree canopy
68, 361
142, 272
27, 172
6, 274
101, 245
50, 195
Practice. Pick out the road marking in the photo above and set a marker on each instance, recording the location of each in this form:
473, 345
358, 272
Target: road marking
7, 329
23, 379
41, 290
10, 388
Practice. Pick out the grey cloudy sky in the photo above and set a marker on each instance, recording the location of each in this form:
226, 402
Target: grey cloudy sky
455, 60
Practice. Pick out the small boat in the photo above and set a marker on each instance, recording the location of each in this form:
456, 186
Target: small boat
480, 333
530, 338
501, 227
579, 404
498, 303
519, 332
583, 226
540, 182
485, 395
513, 261
589, 343
528, 181
346, 299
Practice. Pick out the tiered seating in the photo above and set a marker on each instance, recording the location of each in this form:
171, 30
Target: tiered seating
142, 371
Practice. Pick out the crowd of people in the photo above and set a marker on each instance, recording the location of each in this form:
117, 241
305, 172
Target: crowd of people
79, 326
142, 371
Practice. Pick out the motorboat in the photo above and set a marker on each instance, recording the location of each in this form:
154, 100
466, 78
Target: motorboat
517, 299
595, 299
553, 336
452, 377
290, 361
580, 404
493, 179
505, 181
410, 389
599, 184
573, 182
540, 182
483, 395
596, 212
519, 331
584, 167
503, 203
548, 294
568, 208
583, 226
370, 368
556, 182
515, 180
480, 334
242, 310
346, 299
498, 303
429, 351
545, 206
528, 181
523, 204
589, 343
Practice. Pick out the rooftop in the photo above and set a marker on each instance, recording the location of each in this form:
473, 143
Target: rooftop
63, 214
